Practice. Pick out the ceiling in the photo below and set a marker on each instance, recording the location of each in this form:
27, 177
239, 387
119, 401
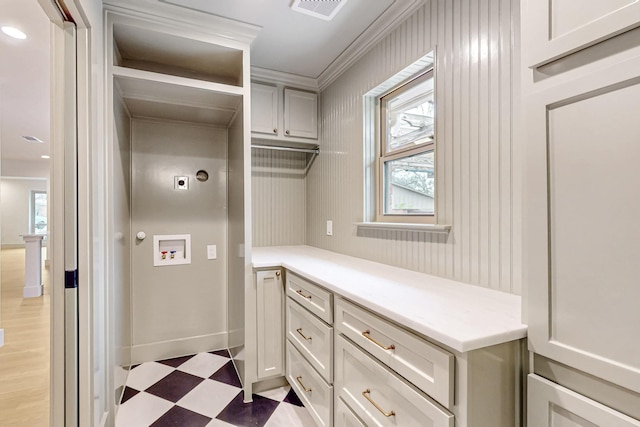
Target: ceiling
24, 82
289, 42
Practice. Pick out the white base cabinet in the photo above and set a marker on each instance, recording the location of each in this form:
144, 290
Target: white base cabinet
551, 405
378, 396
270, 323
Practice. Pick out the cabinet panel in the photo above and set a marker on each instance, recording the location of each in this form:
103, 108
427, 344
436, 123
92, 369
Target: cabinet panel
424, 364
314, 392
551, 405
378, 396
312, 297
345, 417
300, 114
312, 337
559, 27
583, 235
270, 323
264, 109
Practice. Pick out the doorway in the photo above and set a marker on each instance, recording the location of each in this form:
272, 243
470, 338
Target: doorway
24, 184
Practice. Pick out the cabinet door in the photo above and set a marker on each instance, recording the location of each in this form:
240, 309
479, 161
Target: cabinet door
557, 28
300, 114
264, 109
582, 234
270, 323
551, 405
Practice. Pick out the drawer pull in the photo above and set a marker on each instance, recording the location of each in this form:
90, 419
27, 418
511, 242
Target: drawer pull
299, 292
308, 390
366, 394
299, 330
367, 335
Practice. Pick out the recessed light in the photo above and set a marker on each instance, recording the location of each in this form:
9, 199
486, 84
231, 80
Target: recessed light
44, 156
14, 32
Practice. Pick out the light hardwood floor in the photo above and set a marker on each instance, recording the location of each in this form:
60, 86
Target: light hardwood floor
24, 358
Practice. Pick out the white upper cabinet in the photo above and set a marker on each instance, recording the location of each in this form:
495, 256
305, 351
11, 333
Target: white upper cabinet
561, 27
300, 114
264, 109
283, 114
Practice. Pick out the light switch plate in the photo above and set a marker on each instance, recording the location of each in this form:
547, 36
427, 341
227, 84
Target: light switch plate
212, 252
329, 228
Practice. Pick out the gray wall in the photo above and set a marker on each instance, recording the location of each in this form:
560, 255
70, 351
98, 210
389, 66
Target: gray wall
15, 208
477, 152
278, 197
180, 309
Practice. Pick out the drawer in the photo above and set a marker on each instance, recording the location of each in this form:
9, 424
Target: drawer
312, 337
312, 390
427, 366
312, 297
550, 404
378, 396
345, 417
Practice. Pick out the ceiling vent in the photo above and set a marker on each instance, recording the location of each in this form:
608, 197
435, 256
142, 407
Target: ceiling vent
29, 138
323, 9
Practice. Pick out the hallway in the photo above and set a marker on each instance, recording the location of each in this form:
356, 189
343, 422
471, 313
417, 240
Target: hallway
24, 358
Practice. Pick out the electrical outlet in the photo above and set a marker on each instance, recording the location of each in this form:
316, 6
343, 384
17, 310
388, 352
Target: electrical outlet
329, 228
212, 252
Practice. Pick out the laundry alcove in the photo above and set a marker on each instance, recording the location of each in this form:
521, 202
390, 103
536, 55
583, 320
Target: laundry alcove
178, 103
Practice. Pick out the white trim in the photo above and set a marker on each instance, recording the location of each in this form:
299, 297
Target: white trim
265, 75
1, 337
427, 228
392, 17
141, 353
159, 10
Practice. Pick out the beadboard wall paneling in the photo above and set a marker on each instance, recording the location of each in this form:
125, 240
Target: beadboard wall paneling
477, 152
278, 190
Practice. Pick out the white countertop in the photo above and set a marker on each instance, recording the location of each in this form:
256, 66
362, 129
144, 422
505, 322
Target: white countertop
461, 316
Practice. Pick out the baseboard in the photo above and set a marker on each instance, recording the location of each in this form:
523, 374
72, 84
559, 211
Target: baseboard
141, 353
32, 291
1, 337
13, 246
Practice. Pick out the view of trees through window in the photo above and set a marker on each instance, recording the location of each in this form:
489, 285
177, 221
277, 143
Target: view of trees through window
407, 157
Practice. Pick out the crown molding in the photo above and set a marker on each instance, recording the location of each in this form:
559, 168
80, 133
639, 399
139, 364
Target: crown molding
388, 21
170, 12
285, 79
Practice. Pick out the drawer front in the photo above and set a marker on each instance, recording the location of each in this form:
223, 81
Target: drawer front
312, 297
380, 397
550, 404
312, 337
427, 366
314, 392
345, 417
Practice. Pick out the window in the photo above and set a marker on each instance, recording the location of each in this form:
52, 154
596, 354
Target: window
406, 147
39, 212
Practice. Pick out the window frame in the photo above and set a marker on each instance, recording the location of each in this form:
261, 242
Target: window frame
383, 157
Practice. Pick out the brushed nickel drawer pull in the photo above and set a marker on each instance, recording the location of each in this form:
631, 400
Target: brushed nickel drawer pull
367, 335
299, 292
366, 394
299, 330
308, 390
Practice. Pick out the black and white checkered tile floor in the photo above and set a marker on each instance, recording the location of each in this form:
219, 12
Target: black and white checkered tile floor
202, 390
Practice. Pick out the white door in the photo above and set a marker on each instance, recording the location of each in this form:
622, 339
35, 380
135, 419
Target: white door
64, 230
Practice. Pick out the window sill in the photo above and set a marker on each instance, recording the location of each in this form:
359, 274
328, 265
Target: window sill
426, 228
